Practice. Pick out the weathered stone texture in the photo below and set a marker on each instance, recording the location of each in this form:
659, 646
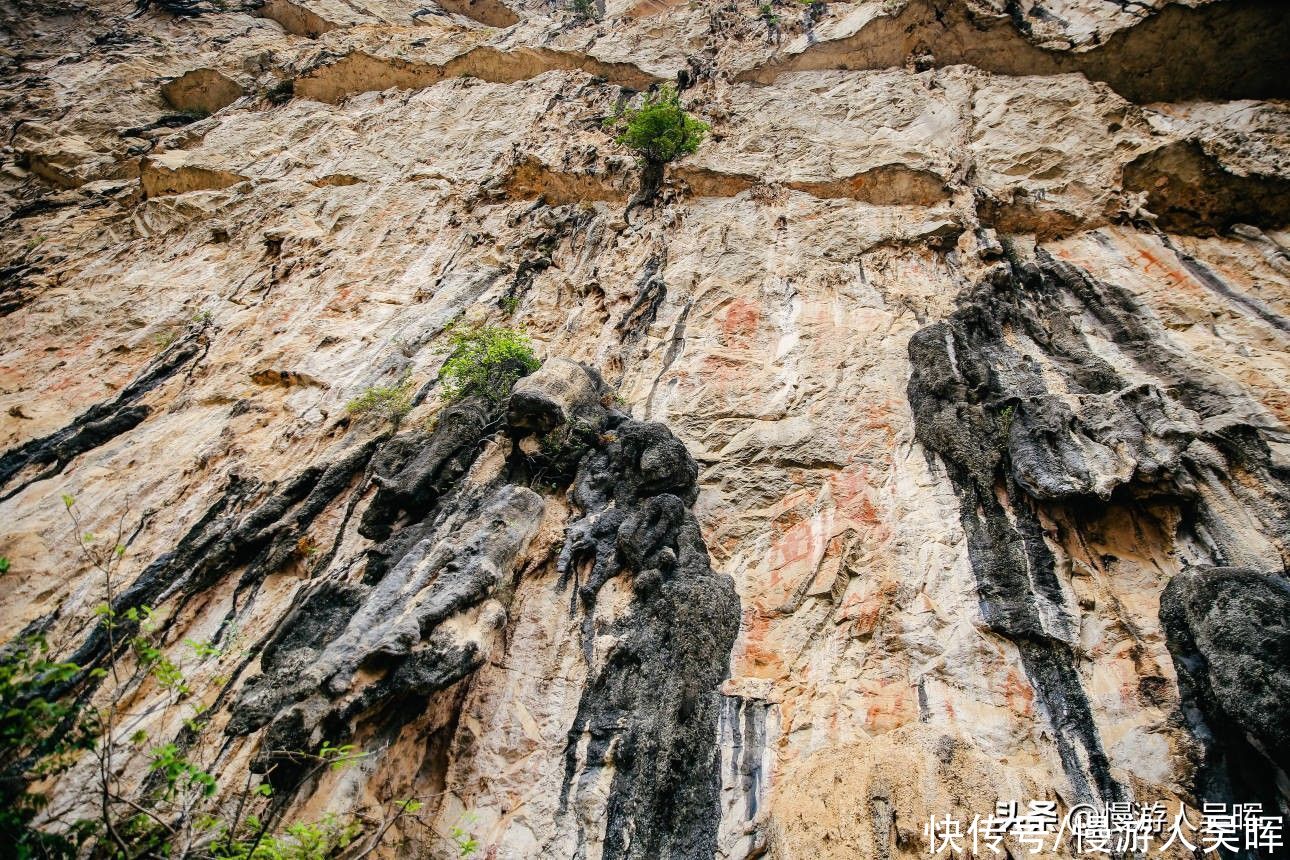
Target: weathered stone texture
924, 444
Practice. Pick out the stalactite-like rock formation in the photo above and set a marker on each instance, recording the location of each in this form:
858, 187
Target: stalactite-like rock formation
375, 652
923, 443
1034, 427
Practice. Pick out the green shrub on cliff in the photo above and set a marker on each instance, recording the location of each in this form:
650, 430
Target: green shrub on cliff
486, 361
584, 10
660, 130
387, 402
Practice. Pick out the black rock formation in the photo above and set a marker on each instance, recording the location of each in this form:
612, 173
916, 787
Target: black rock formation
379, 653
258, 541
650, 712
1018, 452
100, 423
1228, 631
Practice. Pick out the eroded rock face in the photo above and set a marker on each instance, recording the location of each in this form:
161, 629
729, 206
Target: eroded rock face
923, 445
1035, 428
1229, 633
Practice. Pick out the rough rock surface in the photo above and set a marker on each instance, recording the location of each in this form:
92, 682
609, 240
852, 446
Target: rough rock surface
924, 445
1229, 632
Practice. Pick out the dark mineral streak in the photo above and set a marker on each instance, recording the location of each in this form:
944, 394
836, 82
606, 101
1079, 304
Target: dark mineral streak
259, 541
650, 712
1017, 452
97, 425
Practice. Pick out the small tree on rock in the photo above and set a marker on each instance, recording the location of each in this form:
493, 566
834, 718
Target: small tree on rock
486, 361
658, 131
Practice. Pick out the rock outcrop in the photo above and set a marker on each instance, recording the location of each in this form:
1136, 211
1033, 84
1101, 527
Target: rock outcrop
924, 444
1227, 630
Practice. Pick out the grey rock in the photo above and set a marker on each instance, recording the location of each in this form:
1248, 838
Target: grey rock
558, 392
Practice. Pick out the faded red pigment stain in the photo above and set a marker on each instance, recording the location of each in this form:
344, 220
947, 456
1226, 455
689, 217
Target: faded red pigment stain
893, 705
877, 416
1018, 694
794, 544
1153, 265
722, 372
1144, 260
342, 301
856, 433
1279, 405
852, 497
801, 538
740, 322
758, 659
865, 610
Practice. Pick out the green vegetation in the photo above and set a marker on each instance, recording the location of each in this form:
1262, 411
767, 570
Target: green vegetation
584, 10
1005, 418
486, 361
139, 798
461, 837
386, 402
29, 749
659, 131
318, 840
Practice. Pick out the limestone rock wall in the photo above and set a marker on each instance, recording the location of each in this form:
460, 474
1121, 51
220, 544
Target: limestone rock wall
933, 442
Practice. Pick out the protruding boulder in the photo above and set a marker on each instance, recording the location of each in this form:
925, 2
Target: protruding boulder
1229, 633
560, 391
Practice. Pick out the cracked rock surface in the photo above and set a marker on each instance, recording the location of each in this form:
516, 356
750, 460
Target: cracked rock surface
924, 444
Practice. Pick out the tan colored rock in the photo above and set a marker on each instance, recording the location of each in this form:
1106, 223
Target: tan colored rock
202, 91
174, 173
437, 169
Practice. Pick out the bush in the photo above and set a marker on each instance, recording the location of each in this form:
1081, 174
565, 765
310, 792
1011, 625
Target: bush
39, 737
584, 10
660, 130
387, 402
47, 726
486, 361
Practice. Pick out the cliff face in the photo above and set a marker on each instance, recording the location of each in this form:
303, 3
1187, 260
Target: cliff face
925, 445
